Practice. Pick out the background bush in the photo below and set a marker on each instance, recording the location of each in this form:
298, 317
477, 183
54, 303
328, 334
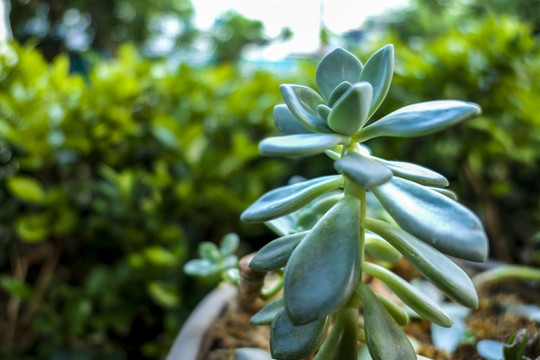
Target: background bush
106, 181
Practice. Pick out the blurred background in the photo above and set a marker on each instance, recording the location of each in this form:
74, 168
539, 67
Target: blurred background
129, 131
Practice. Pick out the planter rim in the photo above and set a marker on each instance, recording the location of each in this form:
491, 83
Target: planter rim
192, 342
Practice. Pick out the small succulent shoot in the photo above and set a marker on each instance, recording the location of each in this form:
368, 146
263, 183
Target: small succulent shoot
216, 263
326, 227
512, 350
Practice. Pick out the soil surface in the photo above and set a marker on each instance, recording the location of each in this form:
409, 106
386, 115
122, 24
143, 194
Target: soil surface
489, 321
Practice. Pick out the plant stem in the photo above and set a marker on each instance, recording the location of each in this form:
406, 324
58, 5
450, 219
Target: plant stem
250, 283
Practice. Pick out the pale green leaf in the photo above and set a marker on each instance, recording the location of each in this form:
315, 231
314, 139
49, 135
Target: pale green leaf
421, 119
385, 338
266, 315
379, 71
363, 170
416, 300
436, 267
275, 254
286, 199
350, 111
287, 123
323, 270
434, 218
341, 344
303, 102
300, 144
290, 341
335, 68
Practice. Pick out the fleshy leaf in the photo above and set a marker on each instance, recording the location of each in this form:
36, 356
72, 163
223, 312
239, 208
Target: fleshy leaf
266, 315
436, 267
421, 119
490, 349
300, 144
303, 103
379, 71
275, 254
434, 218
446, 192
336, 67
323, 111
381, 249
324, 202
386, 340
448, 339
338, 92
516, 345
364, 171
350, 112
416, 173
289, 341
416, 300
341, 343
399, 315
330, 255
286, 199
229, 244
287, 123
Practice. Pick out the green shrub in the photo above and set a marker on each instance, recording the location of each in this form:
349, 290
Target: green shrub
105, 182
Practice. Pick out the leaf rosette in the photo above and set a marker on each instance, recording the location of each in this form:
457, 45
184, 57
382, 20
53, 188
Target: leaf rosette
324, 225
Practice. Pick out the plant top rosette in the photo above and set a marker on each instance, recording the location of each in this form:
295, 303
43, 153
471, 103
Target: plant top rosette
386, 208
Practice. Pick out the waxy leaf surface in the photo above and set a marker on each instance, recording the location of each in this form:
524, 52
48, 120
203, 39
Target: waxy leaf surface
266, 315
435, 267
386, 340
399, 315
350, 112
286, 199
287, 123
381, 249
275, 254
434, 218
416, 173
363, 170
300, 144
421, 119
303, 103
446, 192
379, 71
416, 300
338, 92
336, 67
323, 111
289, 341
342, 341
323, 270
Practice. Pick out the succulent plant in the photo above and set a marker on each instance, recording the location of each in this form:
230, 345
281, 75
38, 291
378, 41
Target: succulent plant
387, 209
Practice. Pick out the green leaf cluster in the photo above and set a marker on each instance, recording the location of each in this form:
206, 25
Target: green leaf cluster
324, 257
118, 174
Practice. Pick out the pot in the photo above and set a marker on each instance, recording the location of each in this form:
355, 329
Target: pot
194, 339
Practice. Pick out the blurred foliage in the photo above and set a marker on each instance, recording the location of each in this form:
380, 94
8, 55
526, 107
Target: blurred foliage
495, 62
232, 33
428, 19
106, 182
62, 25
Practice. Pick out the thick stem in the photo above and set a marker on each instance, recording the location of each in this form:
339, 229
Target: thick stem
250, 283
